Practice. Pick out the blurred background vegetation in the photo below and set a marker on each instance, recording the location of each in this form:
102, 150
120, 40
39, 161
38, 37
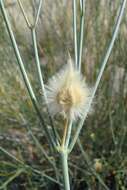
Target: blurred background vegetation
104, 136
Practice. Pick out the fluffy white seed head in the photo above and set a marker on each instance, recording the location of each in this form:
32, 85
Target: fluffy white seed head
67, 93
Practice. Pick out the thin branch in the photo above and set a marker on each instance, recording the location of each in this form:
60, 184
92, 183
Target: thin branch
33, 32
69, 133
82, 18
24, 14
65, 133
38, 13
75, 31
34, 39
23, 72
26, 17
104, 62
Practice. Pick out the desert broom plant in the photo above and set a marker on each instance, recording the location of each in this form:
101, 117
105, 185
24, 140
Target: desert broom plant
66, 92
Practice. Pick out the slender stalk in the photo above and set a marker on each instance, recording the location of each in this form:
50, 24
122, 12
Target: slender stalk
82, 18
24, 14
23, 72
26, 17
104, 62
33, 33
64, 157
75, 31
38, 13
68, 133
65, 133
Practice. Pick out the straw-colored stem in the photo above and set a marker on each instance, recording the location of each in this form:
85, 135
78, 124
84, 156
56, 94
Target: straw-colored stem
68, 133
65, 133
104, 62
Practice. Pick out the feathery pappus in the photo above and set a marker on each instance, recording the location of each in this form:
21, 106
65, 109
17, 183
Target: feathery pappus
67, 93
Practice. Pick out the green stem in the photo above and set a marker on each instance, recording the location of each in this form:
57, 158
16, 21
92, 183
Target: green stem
24, 14
70, 123
75, 30
34, 38
64, 158
23, 72
82, 18
38, 13
104, 62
